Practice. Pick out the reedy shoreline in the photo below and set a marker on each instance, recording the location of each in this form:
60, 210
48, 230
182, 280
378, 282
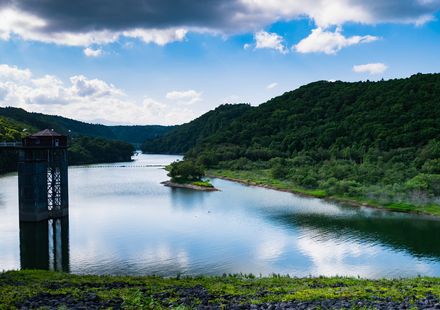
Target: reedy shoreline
252, 179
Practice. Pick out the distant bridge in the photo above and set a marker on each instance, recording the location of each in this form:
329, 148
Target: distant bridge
19, 145
11, 145
119, 166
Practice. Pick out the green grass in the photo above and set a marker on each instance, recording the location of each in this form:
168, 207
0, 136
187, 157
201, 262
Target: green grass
203, 184
156, 293
263, 178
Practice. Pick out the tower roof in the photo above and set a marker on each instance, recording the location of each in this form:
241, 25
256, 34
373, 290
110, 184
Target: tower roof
47, 133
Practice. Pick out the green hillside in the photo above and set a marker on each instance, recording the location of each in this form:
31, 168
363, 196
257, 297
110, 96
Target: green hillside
182, 138
131, 134
83, 150
375, 142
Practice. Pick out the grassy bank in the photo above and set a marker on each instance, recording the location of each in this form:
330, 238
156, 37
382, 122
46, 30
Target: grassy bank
263, 178
38, 288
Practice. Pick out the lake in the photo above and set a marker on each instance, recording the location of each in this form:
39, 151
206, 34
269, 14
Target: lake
124, 222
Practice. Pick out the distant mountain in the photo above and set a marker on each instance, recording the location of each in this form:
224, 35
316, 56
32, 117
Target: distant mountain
131, 134
92, 143
182, 138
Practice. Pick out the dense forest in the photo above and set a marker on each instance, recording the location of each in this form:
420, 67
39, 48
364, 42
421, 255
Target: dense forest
83, 149
92, 150
375, 141
182, 138
130, 134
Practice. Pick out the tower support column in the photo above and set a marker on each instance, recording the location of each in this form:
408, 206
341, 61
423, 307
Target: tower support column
32, 191
43, 177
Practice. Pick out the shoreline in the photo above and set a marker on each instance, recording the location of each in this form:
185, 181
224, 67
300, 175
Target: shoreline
189, 186
352, 203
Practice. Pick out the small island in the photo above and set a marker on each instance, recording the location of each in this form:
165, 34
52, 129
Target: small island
188, 174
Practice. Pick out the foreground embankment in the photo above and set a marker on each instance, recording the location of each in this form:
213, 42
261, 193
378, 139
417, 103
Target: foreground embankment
51, 290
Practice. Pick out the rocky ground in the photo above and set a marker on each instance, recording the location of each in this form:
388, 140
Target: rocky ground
92, 301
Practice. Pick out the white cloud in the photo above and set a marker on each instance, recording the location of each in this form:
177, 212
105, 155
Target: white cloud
187, 96
372, 68
328, 42
272, 85
325, 13
84, 87
14, 73
247, 46
268, 40
46, 90
157, 36
13, 21
85, 99
90, 52
3, 92
156, 110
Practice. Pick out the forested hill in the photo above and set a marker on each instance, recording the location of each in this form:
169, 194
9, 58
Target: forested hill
338, 115
184, 137
83, 149
90, 143
131, 134
353, 117
370, 139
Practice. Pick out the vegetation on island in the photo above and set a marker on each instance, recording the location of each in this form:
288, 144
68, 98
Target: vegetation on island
185, 171
367, 142
44, 289
188, 172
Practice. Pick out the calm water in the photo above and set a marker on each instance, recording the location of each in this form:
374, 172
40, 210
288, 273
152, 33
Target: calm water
123, 221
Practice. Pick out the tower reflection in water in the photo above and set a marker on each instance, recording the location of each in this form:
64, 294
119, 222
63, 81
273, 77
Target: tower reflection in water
45, 245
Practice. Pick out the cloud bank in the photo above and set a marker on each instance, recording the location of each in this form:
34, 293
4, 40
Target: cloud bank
87, 22
84, 99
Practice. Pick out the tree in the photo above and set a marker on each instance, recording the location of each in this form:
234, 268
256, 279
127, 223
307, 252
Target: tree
183, 171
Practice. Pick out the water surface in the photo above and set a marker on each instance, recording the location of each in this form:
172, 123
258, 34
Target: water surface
123, 221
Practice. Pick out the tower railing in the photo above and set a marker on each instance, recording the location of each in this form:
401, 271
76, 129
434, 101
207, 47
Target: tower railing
13, 144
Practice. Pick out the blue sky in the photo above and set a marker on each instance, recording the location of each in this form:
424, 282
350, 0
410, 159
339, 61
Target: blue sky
176, 60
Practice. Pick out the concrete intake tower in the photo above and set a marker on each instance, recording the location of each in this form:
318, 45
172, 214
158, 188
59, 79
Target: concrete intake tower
42, 177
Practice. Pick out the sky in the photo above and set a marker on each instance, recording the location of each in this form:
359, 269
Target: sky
169, 61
